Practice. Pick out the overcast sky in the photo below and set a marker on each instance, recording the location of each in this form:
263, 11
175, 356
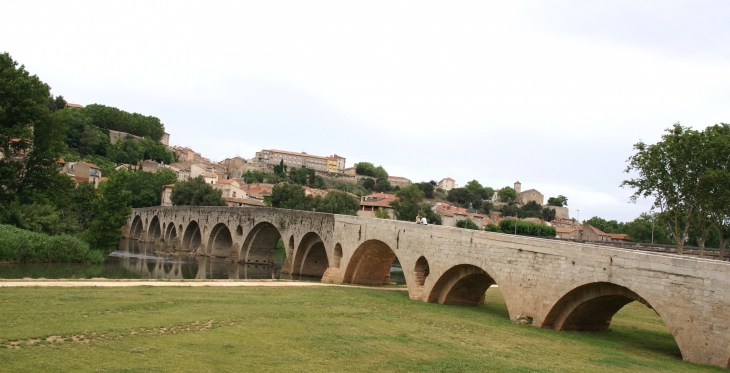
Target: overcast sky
553, 94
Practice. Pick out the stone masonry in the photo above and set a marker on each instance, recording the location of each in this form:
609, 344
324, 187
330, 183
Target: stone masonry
556, 284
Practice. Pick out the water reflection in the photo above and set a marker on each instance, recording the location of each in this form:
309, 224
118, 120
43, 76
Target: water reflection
135, 260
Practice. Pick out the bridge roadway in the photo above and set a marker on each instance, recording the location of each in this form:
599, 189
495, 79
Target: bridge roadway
555, 284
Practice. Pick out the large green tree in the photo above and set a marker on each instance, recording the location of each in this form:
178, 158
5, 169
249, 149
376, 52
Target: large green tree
146, 187
110, 211
715, 184
507, 194
291, 196
196, 192
558, 201
670, 171
337, 202
31, 137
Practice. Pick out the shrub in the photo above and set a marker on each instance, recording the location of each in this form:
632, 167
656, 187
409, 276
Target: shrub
467, 223
19, 245
526, 228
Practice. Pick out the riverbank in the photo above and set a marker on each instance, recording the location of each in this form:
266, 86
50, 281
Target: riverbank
312, 328
179, 283
22, 246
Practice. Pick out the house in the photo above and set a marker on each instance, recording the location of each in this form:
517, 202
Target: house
258, 191
447, 184
230, 189
350, 171
208, 174
451, 214
74, 106
568, 233
182, 174
376, 201
591, 233
83, 172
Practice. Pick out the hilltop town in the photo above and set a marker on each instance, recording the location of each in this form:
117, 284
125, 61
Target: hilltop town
248, 182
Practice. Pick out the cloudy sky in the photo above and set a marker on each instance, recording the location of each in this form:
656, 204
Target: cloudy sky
553, 94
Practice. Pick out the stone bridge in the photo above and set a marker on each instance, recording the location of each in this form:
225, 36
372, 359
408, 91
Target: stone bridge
555, 284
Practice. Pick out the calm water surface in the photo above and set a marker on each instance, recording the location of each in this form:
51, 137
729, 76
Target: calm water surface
134, 260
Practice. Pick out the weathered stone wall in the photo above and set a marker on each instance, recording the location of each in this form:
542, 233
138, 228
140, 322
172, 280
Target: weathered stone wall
559, 285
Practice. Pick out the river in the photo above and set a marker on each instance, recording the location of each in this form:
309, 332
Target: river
135, 260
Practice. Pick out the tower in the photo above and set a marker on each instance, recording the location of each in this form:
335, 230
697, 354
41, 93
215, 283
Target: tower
518, 187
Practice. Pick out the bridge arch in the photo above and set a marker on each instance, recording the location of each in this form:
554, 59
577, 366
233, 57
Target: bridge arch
260, 244
370, 264
154, 231
463, 284
311, 256
220, 241
591, 307
136, 229
192, 236
170, 233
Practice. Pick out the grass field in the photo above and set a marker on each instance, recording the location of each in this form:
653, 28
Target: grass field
328, 329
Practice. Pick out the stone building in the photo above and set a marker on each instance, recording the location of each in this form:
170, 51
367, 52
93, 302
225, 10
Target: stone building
376, 201
399, 181
447, 184
230, 189
301, 160
450, 215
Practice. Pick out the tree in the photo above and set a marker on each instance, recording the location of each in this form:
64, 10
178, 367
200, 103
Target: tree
526, 228
408, 203
111, 211
382, 185
670, 171
492, 228
337, 202
368, 169
490, 192
558, 201
467, 223
530, 210
112, 118
280, 169
477, 189
507, 194
426, 188
510, 209
548, 214
196, 192
464, 196
291, 196
382, 213
368, 184
364, 168
146, 187
31, 141
608, 226
715, 182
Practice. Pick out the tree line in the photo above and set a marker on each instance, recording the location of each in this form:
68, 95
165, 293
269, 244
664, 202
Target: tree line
36, 129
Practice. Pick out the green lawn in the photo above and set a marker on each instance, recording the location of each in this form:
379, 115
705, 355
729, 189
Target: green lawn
143, 329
